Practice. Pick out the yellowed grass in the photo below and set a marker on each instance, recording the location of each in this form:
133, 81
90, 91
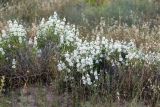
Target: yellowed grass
30, 10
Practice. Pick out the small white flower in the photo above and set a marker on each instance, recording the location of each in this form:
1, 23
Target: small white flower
39, 52
96, 77
30, 42
83, 78
84, 82
13, 62
89, 81
70, 63
2, 51
13, 66
20, 40
120, 58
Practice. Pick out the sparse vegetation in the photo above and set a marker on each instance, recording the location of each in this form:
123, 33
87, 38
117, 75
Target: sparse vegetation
89, 53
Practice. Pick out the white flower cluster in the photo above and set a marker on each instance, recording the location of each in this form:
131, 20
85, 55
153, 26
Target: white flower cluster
13, 35
14, 63
2, 51
66, 32
86, 80
14, 29
86, 54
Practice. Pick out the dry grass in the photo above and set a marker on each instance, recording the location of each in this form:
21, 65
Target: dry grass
146, 36
30, 10
46, 96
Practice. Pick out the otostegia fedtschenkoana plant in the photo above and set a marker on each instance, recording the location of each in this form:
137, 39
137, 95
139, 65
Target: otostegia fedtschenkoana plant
81, 60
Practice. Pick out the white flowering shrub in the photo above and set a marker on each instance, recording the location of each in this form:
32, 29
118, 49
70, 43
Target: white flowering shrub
13, 39
54, 35
87, 63
88, 57
56, 30
90, 64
